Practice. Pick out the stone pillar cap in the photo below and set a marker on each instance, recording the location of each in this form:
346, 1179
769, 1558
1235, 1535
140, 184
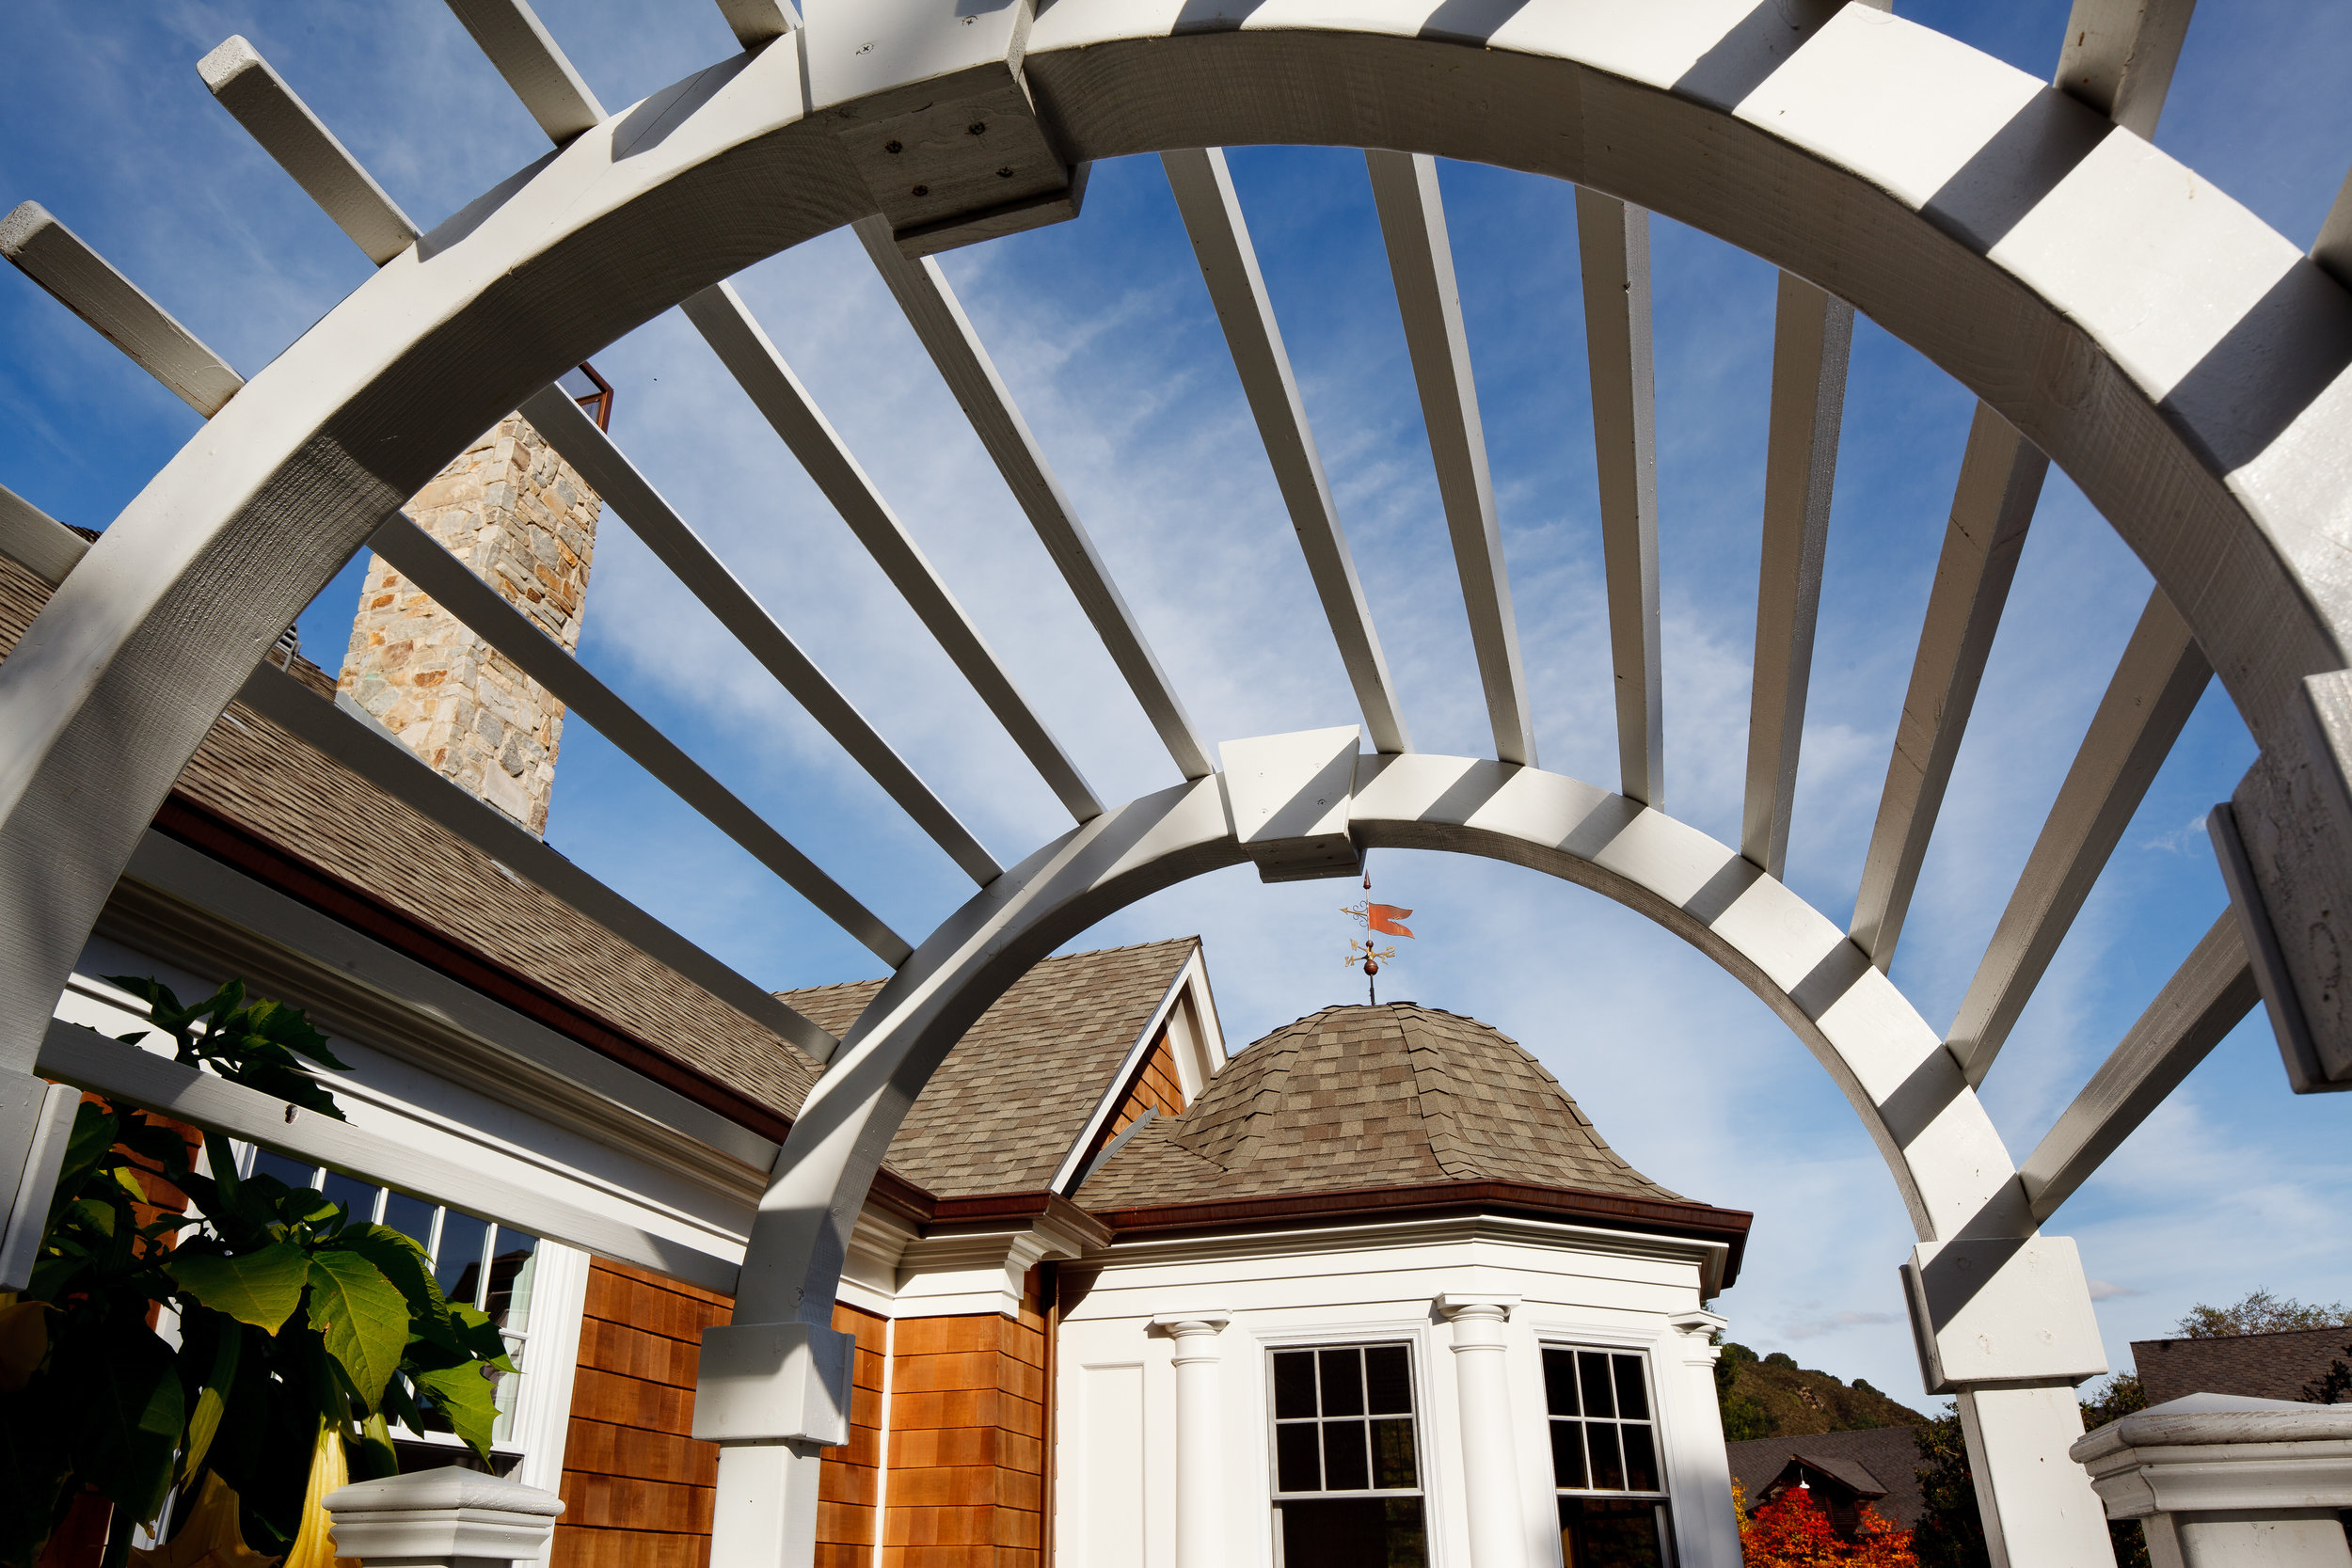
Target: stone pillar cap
445, 1490
2208, 1419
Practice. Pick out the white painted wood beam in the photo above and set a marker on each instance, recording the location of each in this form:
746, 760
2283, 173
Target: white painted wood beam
36, 541
2154, 689
1228, 264
355, 740
1420, 262
612, 476
88, 1060
1812, 341
720, 315
946, 334
1993, 505
276, 117
452, 585
80, 280
2207, 995
2118, 56
1612, 245
2332, 250
756, 21
535, 69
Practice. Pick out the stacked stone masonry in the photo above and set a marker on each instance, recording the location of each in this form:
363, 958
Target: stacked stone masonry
526, 523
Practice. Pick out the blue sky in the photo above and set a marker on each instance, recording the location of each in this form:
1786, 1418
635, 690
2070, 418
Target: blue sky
1103, 330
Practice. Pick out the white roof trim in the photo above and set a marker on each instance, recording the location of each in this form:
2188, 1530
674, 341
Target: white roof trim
1195, 972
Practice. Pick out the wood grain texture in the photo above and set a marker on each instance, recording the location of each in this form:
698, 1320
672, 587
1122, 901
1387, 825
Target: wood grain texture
967, 1450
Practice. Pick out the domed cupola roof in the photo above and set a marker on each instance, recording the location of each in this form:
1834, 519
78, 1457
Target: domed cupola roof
1359, 1097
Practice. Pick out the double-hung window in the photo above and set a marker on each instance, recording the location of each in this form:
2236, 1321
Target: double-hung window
1347, 1487
1605, 1460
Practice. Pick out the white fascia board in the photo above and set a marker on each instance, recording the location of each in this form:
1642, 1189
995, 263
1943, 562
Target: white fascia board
1194, 973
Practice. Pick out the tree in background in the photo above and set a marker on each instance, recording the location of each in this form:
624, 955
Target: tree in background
1950, 1531
2261, 1312
298, 1331
1744, 1419
1792, 1531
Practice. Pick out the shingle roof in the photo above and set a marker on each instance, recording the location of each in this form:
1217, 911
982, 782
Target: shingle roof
2265, 1366
1357, 1097
1887, 1455
265, 781
1015, 1093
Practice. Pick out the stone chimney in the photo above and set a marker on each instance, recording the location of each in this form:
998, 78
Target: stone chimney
518, 513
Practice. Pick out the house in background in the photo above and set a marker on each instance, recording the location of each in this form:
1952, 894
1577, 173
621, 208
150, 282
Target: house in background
1371, 1290
1878, 1466
2260, 1366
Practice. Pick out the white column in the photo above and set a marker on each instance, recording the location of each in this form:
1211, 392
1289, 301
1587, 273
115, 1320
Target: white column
2037, 1504
1706, 1527
1200, 1498
2219, 1482
1491, 1468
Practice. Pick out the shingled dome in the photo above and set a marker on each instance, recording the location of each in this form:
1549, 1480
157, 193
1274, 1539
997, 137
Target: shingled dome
1396, 1095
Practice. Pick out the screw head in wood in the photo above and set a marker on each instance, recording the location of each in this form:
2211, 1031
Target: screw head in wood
893, 148
921, 190
977, 128
1005, 173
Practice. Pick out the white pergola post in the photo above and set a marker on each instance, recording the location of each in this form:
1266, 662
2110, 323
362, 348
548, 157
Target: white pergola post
1491, 1468
1199, 1499
446, 1518
2221, 1481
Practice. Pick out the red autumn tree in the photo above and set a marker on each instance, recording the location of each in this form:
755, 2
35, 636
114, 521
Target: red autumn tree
1792, 1531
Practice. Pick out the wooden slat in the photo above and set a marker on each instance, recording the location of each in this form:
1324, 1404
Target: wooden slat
1612, 245
2154, 688
36, 541
720, 315
609, 1448
1421, 263
2204, 999
535, 68
574, 435
2118, 56
454, 586
1229, 265
80, 280
946, 334
1812, 339
756, 21
620, 1348
2000, 483
275, 116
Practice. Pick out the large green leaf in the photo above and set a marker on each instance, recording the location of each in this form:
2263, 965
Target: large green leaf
363, 1317
463, 1395
128, 1413
403, 1262
212, 1398
261, 1287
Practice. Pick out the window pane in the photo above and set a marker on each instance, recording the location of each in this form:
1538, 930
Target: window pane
293, 1173
1294, 1382
1608, 1464
1297, 1458
1343, 1382
1393, 1463
1367, 1532
458, 1263
1388, 1381
1641, 1460
1568, 1454
513, 1262
411, 1216
1346, 1463
355, 1194
1597, 1532
1592, 1368
1560, 1382
1632, 1398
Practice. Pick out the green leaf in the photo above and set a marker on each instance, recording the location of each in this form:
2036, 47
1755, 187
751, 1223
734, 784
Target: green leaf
128, 1415
463, 1395
373, 1454
261, 1287
479, 1335
212, 1398
363, 1317
403, 1262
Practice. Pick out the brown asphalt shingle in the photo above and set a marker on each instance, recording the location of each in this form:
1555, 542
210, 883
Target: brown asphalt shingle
1015, 1093
1353, 1097
2260, 1366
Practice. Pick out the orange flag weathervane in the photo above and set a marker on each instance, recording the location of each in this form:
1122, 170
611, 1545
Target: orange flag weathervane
1377, 920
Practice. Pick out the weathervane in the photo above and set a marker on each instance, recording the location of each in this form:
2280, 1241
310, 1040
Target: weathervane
1377, 920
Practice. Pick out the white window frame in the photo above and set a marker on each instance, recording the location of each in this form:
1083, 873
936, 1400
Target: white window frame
1667, 1496
1414, 1336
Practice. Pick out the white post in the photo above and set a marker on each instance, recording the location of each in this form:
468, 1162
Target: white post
1489, 1461
1200, 1498
2037, 1504
446, 1518
2221, 1481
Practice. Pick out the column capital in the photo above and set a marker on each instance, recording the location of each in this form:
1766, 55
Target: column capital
1490, 1306
1199, 1323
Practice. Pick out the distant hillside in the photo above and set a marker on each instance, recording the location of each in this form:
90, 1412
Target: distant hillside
1773, 1397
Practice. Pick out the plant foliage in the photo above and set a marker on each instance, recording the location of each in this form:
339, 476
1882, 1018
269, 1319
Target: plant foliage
295, 1321
1792, 1531
2261, 1312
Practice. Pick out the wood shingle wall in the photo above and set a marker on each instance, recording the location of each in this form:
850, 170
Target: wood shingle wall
637, 1489
967, 1442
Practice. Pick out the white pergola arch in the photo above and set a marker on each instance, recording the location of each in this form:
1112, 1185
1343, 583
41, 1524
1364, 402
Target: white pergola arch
2182, 362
